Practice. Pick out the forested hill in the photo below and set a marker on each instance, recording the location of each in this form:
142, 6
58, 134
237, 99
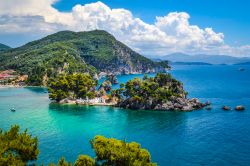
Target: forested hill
4, 47
67, 51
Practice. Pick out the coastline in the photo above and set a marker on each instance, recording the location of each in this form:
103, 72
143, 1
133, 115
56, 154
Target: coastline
18, 86
76, 102
87, 104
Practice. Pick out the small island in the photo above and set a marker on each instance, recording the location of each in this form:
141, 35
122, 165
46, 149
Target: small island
161, 92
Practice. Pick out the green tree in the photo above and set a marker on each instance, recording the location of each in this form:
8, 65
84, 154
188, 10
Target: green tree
17, 148
20, 148
36, 75
73, 86
61, 162
84, 160
110, 151
148, 92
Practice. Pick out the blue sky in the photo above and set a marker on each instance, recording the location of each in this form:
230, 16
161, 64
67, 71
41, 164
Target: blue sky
156, 27
232, 17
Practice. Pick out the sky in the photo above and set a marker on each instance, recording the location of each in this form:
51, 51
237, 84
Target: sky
151, 27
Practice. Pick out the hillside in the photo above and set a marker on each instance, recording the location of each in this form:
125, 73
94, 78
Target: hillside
244, 63
211, 59
68, 52
189, 63
3, 47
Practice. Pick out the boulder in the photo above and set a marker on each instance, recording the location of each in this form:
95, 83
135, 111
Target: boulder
187, 108
226, 108
106, 85
208, 108
207, 103
240, 108
194, 100
112, 78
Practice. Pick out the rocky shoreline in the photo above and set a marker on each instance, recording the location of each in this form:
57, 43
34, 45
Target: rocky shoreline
182, 104
20, 86
94, 102
179, 104
174, 104
10, 86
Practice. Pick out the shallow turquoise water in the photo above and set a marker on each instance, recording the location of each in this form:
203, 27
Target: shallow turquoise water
201, 137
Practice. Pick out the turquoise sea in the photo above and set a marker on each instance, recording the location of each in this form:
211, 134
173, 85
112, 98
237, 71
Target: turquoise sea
202, 137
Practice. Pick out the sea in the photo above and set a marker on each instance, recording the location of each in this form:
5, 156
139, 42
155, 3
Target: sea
202, 137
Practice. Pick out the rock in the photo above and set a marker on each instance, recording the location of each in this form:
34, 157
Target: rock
180, 104
207, 103
194, 100
226, 108
240, 108
102, 74
112, 78
187, 108
106, 85
208, 108
174, 104
67, 101
181, 101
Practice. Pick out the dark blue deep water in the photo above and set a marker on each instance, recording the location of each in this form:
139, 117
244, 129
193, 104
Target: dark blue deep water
202, 137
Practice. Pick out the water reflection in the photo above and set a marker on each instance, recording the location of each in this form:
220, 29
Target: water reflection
37, 89
126, 119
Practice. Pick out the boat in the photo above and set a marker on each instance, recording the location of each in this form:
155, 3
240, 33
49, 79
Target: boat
12, 110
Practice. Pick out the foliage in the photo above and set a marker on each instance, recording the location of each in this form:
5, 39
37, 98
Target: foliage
73, 86
37, 78
106, 86
148, 92
110, 151
61, 162
84, 160
17, 148
4, 47
20, 148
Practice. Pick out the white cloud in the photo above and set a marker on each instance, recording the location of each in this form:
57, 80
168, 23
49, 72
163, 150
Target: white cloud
171, 33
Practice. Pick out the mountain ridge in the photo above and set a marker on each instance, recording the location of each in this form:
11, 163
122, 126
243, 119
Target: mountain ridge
4, 47
203, 58
69, 52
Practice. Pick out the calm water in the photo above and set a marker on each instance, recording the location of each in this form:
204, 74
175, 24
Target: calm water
201, 137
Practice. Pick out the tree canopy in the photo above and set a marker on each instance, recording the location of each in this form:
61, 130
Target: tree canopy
17, 148
146, 93
73, 86
84, 160
20, 148
110, 151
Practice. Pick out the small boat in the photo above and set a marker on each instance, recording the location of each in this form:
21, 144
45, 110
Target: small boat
12, 110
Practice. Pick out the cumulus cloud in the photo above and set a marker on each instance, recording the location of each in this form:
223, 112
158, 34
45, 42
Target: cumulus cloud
169, 34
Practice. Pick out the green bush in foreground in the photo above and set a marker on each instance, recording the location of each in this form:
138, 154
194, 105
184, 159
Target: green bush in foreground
17, 148
84, 160
21, 148
110, 151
